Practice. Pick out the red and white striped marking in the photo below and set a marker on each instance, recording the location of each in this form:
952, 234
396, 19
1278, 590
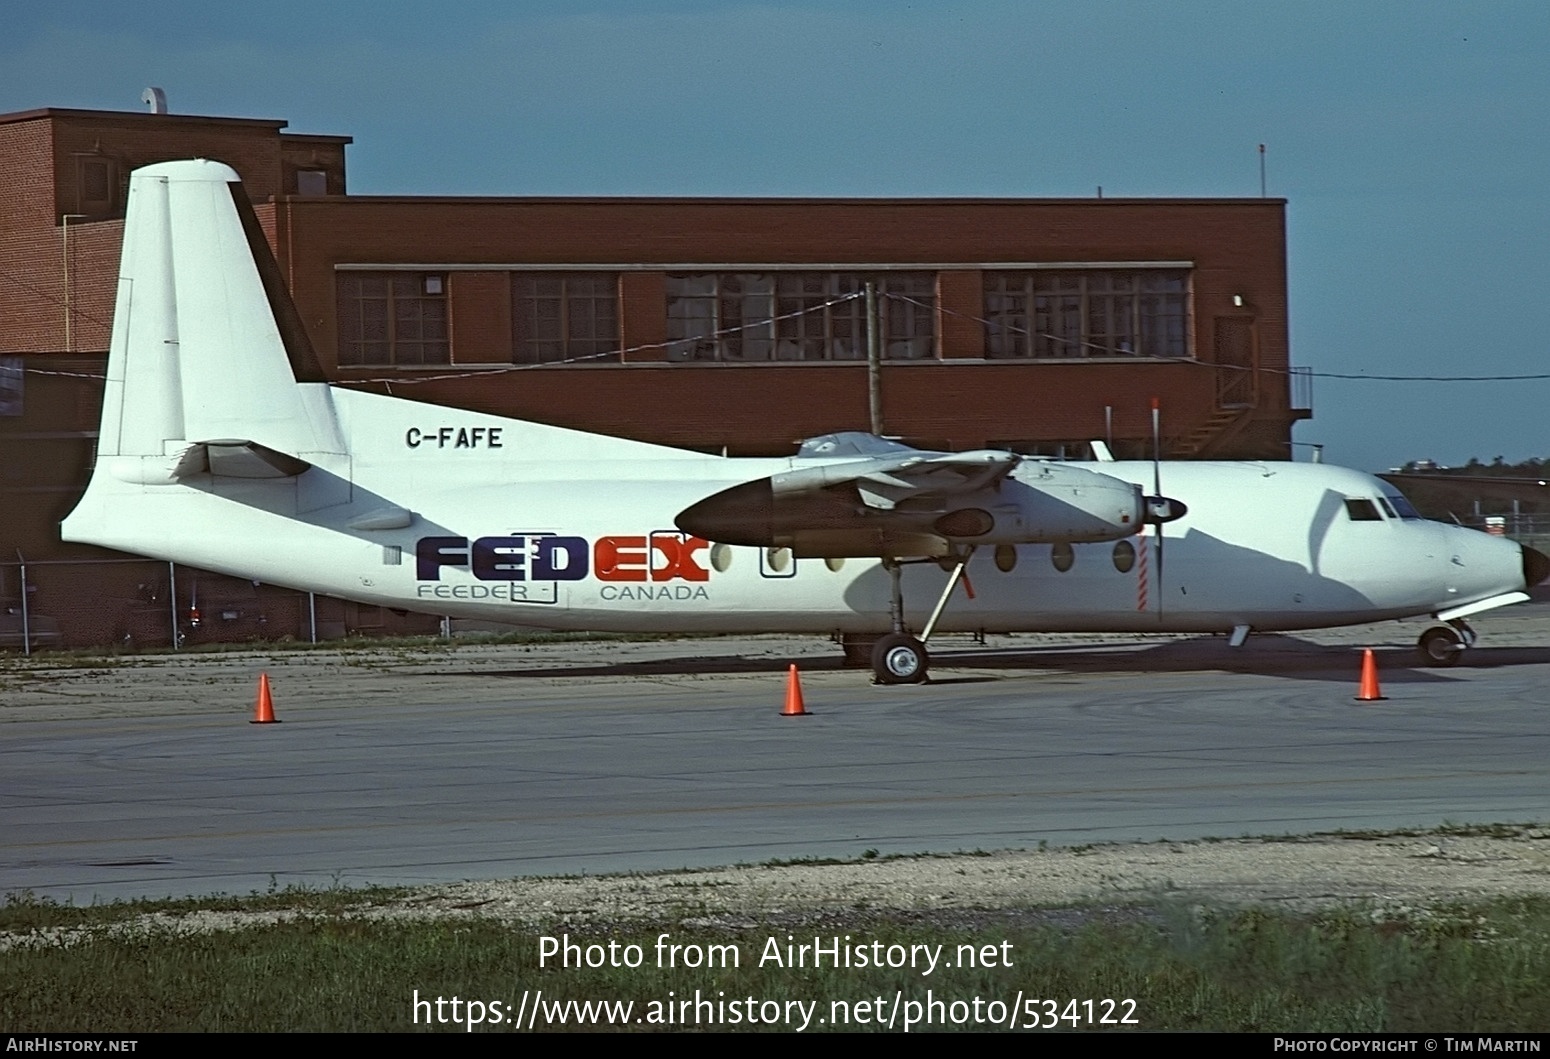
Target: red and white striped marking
1144, 550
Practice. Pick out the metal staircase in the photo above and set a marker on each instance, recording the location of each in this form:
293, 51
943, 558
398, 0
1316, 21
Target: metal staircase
1221, 427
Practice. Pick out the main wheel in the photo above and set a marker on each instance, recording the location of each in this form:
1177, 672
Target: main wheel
899, 659
1441, 646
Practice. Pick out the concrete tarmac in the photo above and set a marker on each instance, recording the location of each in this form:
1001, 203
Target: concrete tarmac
399, 766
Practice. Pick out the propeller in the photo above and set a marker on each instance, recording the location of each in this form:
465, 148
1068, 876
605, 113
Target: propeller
1151, 507
1160, 509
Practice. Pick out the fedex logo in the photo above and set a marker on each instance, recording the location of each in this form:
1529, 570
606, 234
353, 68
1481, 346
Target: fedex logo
654, 557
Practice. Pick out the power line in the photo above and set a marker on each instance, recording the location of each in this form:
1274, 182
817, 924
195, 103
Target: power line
484, 372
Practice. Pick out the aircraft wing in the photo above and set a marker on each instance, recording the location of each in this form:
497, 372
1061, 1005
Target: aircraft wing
893, 500
890, 473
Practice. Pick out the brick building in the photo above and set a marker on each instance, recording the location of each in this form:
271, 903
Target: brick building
733, 325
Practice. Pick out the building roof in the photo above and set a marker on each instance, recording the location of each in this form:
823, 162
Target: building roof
71, 113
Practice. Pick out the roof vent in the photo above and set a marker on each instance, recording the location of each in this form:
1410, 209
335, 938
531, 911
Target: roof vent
156, 99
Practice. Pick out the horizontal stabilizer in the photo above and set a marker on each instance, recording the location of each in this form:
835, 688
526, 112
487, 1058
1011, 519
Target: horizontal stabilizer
223, 459
249, 459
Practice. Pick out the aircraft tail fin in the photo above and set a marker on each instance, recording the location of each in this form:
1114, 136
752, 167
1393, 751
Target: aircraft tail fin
207, 350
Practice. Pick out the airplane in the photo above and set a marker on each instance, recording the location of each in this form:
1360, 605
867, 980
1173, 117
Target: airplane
223, 446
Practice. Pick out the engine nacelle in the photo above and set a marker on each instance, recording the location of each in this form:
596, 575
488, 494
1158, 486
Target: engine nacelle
1040, 503
1046, 502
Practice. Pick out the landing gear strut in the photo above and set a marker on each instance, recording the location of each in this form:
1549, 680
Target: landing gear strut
900, 658
1443, 645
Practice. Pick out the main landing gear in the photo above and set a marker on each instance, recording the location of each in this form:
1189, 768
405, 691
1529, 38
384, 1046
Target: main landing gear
898, 657
1443, 645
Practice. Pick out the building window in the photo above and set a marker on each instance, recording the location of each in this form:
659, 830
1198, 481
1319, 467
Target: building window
97, 187
311, 182
396, 319
761, 316
12, 379
559, 316
1087, 313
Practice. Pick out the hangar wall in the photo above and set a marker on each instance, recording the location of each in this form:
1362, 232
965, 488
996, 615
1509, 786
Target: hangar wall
959, 389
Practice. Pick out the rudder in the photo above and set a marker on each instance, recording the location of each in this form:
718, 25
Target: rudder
206, 347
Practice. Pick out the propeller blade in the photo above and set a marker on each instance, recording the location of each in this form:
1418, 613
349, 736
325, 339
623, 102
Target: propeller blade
1156, 447
1157, 492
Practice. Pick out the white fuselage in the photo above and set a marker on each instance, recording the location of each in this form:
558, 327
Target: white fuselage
463, 514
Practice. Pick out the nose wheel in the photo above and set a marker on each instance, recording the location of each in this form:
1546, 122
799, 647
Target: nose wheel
1443, 645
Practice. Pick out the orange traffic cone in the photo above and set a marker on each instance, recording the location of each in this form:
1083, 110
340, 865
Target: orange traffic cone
794, 706
263, 711
1369, 692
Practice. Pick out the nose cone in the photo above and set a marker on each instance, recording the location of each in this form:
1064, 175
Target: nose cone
1536, 566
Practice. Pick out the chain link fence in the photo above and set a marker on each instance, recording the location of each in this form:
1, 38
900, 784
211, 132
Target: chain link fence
127, 604
1533, 530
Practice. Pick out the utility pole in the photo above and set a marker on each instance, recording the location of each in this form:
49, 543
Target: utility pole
874, 361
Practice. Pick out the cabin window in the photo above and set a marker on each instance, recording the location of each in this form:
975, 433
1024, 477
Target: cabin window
1359, 509
392, 319
558, 316
1124, 557
1062, 556
764, 316
1056, 315
1006, 558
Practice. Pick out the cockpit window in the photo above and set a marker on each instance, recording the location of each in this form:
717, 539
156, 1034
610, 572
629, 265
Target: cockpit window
1360, 509
1405, 508
1387, 507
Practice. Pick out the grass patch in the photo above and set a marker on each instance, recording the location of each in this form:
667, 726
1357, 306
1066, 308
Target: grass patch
24, 911
1447, 829
1458, 968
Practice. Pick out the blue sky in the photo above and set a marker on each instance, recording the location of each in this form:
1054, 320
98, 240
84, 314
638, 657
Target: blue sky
1412, 139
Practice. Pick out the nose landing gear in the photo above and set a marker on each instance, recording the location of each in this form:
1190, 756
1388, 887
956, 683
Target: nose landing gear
1444, 645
